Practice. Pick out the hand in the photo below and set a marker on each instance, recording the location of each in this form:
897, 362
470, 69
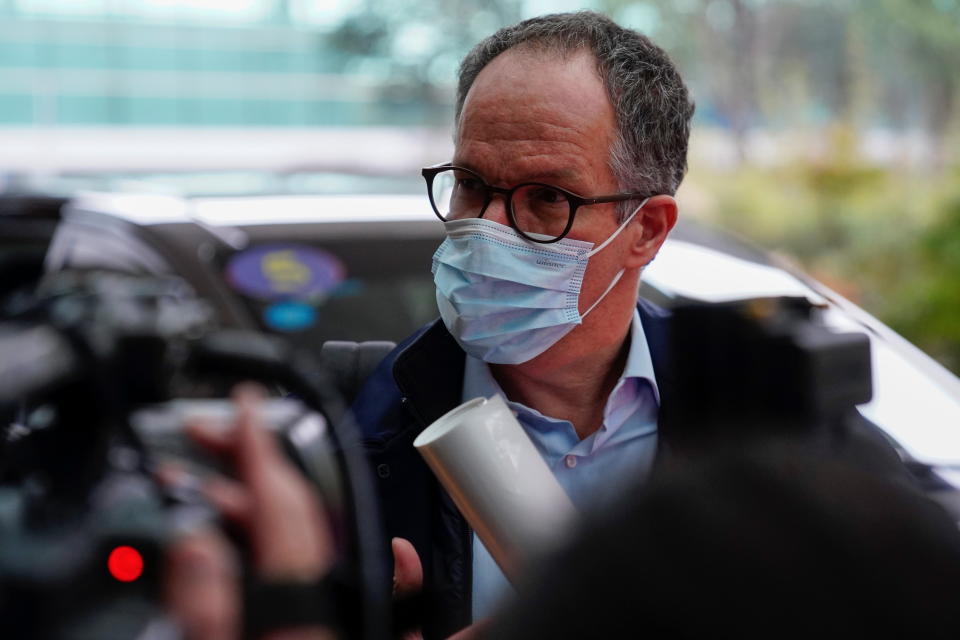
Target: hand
280, 512
407, 576
408, 581
407, 570
202, 588
273, 503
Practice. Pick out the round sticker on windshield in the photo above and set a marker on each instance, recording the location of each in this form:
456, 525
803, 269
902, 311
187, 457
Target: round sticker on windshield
282, 271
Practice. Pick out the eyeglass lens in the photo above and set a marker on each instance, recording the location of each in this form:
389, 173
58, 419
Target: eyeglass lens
537, 208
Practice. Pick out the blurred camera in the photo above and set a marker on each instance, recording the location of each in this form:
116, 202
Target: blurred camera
99, 373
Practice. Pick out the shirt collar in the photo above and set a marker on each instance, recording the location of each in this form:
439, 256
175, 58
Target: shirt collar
639, 361
478, 381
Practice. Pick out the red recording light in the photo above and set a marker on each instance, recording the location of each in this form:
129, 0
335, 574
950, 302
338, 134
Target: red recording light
125, 564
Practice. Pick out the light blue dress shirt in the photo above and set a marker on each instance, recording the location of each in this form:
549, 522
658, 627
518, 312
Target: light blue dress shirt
592, 470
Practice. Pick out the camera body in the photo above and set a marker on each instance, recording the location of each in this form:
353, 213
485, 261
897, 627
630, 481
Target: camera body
768, 368
105, 370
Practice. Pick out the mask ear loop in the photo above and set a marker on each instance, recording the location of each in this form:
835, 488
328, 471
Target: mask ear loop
623, 226
620, 273
603, 295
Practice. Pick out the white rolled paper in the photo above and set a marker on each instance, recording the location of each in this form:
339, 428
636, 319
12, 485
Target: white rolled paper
498, 480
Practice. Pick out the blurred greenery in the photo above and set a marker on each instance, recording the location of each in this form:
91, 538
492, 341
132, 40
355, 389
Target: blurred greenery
857, 103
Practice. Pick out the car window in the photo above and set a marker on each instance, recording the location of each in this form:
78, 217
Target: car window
384, 290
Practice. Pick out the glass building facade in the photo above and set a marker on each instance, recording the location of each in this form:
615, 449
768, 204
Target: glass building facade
206, 63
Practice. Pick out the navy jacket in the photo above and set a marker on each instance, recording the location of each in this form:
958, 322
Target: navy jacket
421, 380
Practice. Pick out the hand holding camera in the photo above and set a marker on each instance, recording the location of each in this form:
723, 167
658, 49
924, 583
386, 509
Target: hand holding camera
272, 503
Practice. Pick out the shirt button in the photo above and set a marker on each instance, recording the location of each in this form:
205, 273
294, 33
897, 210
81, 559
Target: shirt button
570, 461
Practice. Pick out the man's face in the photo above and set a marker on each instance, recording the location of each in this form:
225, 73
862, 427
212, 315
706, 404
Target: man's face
532, 117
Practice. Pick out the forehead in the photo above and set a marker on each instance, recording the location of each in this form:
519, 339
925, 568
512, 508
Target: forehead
532, 111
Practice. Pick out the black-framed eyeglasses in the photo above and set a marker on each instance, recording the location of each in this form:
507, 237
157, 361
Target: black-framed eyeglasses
539, 212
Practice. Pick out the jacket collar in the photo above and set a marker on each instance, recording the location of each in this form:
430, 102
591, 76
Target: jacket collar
429, 374
656, 327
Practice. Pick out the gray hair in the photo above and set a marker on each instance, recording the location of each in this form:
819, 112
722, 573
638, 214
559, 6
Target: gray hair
652, 104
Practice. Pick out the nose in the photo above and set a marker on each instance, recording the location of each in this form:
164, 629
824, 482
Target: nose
496, 210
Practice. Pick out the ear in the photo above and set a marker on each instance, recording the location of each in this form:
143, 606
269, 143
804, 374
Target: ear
650, 228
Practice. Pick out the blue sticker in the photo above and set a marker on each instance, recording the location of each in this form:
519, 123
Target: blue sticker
289, 316
285, 271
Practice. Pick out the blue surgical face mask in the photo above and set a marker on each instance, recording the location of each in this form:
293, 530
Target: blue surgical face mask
505, 299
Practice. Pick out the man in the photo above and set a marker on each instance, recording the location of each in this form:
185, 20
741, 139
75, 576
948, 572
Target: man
570, 142
571, 139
